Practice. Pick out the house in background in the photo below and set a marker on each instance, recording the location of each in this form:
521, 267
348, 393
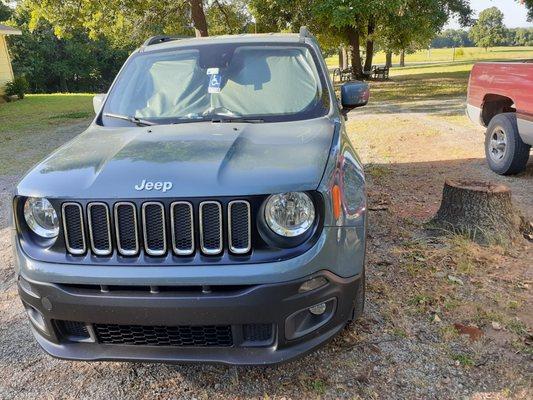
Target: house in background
6, 71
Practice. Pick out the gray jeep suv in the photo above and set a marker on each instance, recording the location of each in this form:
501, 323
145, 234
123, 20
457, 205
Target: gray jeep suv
213, 211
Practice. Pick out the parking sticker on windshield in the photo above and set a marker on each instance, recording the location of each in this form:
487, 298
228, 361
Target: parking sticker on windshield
215, 80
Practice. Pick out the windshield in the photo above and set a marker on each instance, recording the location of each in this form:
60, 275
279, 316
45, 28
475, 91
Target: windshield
214, 82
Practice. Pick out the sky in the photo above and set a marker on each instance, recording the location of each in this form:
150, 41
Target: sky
515, 14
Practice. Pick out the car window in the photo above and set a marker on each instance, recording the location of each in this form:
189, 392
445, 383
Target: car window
275, 83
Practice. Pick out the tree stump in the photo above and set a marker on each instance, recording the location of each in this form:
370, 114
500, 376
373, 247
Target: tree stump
481, 210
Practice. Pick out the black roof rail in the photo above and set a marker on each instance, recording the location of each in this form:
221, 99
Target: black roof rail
161, 39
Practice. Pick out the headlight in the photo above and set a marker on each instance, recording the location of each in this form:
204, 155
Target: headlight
290, 214
41, 217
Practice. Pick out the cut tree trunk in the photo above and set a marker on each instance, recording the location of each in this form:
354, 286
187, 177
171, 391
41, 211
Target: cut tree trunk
481, 210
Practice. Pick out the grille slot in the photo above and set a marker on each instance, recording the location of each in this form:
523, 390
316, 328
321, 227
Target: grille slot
180, 336
126, 229
73, 228
211, 227
239, 227
155, 241
99, 228
182, 225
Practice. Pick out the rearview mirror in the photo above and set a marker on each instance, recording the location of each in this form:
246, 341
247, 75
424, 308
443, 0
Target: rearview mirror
98, 101
354, 94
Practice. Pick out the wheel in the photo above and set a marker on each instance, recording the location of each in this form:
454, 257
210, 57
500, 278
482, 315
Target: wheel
359, 305
506, 153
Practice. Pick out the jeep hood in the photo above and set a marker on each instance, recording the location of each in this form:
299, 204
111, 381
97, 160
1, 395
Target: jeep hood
200, 159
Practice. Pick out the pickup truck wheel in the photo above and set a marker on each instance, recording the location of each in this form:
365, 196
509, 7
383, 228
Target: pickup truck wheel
506, 153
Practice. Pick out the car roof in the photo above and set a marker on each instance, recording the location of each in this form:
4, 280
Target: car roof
243, 38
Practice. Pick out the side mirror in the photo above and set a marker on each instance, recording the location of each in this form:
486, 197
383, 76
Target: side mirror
98, 101
354, 94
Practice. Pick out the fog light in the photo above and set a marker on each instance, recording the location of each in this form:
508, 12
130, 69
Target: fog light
318, 309
312, 284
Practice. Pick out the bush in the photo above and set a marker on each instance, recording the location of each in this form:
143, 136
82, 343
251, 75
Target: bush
459, 52
17, 87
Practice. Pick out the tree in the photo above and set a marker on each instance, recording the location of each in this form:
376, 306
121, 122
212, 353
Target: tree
5, 11
123, 21
228, 17
529, 6
489, 30
198, 17
413, 26
52, 64
451, 38
356, 22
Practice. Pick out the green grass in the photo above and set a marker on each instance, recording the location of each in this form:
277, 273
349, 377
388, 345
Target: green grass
446, 55
435, 78
41, 111
422, 85
464, 359
33, 127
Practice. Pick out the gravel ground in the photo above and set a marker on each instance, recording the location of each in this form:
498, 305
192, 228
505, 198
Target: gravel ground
405, 346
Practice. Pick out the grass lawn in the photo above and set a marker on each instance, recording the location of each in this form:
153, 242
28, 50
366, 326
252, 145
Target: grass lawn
446, 55
33, 127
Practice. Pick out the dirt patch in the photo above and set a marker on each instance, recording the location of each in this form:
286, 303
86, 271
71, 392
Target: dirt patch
419, 286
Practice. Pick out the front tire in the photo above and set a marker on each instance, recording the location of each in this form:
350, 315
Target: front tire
505, 151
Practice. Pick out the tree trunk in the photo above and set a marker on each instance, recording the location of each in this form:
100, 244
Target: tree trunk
343, 58
388, 59
198, 18
481, 210
353, 38
402, 58
63, 86
369, 45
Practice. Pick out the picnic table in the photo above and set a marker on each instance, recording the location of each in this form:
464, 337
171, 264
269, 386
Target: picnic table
377, 73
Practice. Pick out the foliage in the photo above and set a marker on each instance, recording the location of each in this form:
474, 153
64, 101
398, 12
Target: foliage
17, 87
129, 22
461, 38
228, 17
529, 6
392, 24
5, 11
519, 37
52, 64
452, 38
489, 30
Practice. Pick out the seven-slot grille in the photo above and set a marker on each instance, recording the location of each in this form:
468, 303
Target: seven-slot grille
157, 228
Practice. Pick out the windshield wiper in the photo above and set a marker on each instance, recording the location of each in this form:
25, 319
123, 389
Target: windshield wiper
133, 120
239, 119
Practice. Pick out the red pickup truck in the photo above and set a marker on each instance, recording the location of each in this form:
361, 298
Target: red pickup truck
500, 97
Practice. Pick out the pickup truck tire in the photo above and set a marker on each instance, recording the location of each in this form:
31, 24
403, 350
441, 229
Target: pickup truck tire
505, 151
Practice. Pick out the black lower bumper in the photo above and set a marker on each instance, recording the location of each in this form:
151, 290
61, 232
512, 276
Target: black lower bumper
294, 329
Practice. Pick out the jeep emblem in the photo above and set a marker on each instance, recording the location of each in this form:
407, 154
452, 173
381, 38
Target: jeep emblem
148, 185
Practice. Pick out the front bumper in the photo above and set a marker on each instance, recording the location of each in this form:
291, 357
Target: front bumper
295, 331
